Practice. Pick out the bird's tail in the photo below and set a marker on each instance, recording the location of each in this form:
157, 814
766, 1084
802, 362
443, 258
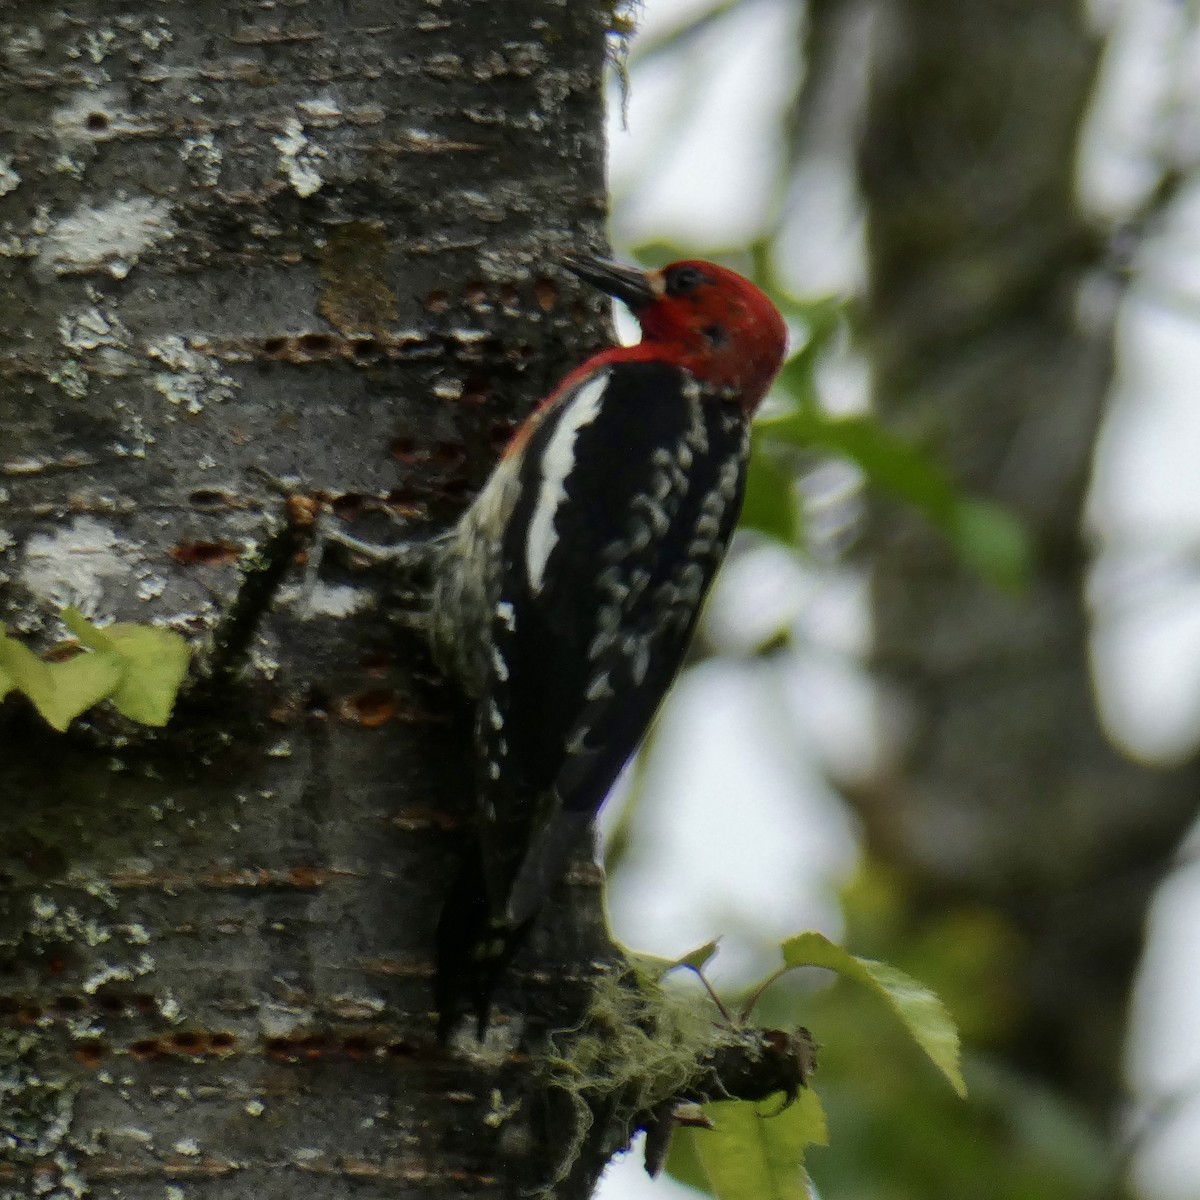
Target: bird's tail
474, 949
477, 937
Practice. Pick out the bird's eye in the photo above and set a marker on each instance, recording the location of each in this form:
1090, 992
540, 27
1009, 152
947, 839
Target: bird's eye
682, 280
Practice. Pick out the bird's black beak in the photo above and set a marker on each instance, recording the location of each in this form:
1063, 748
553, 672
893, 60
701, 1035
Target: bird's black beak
632, 287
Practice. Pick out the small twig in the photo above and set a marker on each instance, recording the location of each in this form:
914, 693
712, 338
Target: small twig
757, 994
261, 580
708, 987
306, 529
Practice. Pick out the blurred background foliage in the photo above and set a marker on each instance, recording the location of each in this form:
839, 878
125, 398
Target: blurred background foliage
956, 647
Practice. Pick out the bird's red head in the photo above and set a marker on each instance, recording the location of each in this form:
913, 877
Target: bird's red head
700, 316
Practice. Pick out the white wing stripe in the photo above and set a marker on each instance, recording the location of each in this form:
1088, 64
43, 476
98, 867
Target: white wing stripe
557, 463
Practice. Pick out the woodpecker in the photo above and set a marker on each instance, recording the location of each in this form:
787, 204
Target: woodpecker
565, 598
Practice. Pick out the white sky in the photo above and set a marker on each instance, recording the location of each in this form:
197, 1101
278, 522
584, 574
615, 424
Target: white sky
756, 734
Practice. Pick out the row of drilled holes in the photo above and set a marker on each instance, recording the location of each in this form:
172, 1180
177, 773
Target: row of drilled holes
476, 295
201, 1044
24, 1012
443, 455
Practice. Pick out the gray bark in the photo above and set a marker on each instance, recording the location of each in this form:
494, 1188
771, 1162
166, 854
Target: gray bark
992, 318
319, 238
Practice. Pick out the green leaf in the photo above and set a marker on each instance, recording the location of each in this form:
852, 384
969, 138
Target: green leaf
656, 967
749, 1156
88, 634
887, 461
1047, 1125
683, 1159
138, 667
60, 691
697, 959
156, 661
770, 506
923, 1014
988, 538
7, 683
993, 542
824, 319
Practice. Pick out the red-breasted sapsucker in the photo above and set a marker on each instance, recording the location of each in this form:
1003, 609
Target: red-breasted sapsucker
565, 598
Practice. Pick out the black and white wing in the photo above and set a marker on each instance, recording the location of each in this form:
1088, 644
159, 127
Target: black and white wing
631, 486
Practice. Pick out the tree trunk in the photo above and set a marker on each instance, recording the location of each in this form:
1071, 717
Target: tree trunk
992, 319
320, 239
